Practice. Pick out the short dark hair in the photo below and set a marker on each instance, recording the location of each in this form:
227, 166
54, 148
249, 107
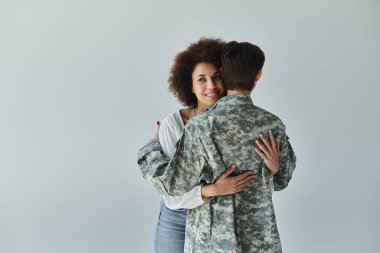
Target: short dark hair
241, 61
180, 80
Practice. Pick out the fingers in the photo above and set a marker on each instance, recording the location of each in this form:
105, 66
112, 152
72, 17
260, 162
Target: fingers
240, 177
245, 180
228, 171
245, 184
158, 123
261, 154
262, 148
238, 183
266, 142
273, 142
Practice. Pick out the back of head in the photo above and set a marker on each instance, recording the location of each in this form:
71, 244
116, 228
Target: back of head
241, 62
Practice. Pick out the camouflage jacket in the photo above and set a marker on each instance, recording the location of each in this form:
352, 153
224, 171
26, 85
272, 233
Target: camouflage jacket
211, 141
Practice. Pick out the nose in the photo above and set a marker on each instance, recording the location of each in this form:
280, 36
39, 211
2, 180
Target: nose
211, 84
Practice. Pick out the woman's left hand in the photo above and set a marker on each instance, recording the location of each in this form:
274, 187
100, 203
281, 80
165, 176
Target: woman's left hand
270, 152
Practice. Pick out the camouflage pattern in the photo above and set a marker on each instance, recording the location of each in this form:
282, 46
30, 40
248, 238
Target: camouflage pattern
225, 134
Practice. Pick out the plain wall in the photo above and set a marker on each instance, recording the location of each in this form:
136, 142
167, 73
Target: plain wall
83, 82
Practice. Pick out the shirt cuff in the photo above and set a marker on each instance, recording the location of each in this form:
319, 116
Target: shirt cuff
199, 200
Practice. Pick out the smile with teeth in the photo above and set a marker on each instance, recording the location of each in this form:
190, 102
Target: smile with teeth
211, 95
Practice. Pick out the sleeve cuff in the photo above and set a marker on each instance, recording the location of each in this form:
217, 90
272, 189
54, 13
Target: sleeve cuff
151, 145
200, 199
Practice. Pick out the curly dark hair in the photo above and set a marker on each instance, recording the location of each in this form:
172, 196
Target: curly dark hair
206, 50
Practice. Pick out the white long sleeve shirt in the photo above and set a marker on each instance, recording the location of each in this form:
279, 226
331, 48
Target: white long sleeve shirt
170, 132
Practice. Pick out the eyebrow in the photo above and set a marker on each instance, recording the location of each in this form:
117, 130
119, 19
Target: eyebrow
215, 73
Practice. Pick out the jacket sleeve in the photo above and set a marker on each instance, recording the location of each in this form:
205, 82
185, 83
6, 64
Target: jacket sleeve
173, 176
287, 165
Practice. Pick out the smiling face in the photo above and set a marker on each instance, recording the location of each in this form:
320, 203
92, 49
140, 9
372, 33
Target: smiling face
207, 85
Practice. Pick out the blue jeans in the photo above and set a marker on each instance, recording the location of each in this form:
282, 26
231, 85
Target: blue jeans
170, 231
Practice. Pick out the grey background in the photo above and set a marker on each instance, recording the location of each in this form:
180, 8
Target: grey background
83, 82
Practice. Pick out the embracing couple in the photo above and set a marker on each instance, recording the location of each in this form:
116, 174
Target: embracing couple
218, 160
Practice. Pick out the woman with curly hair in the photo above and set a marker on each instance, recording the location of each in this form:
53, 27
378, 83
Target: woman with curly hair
195, 80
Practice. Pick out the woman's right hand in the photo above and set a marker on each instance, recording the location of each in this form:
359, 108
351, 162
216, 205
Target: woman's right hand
226, 185
157, 132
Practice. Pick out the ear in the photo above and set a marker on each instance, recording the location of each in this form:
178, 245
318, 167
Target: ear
259, 73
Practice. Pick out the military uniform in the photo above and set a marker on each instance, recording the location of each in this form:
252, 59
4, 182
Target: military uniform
212, 141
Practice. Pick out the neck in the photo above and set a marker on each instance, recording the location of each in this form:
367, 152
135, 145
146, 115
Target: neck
243, 92
198, 109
